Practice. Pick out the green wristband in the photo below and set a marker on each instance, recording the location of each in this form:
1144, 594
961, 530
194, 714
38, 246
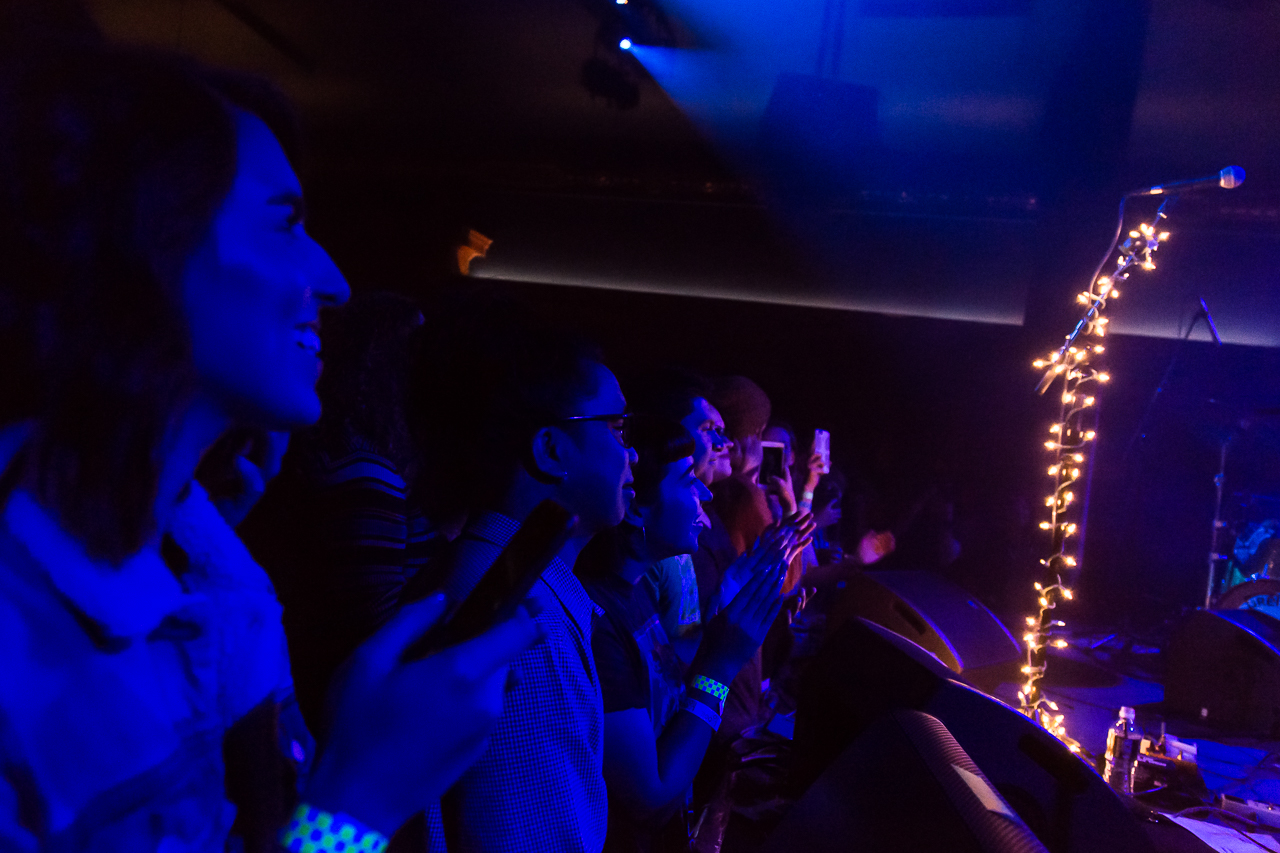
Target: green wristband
314, 831
711, 687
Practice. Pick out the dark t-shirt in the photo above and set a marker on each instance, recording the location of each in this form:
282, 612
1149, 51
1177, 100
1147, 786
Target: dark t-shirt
638, 668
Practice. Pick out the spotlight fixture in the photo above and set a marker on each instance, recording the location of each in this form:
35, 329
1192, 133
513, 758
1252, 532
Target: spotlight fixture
625, 44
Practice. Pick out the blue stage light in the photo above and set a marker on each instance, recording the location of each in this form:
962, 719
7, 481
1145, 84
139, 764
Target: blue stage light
625, 44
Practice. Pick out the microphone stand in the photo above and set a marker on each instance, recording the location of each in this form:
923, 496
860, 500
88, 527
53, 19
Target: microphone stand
1219, 480
1202, 313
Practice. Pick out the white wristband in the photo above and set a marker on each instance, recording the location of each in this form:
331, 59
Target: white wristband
702, 712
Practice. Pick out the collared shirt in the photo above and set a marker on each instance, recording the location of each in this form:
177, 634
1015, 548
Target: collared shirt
121, 681
540, 785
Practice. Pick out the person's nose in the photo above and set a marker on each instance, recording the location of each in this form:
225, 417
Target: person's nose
324, 280
632, 456
704, 494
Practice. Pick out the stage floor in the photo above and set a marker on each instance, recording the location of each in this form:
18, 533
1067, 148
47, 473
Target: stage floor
1090, 684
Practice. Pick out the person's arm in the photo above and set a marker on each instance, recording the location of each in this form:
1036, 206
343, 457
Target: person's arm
782, 489
646, 775
812, 478
363, 511
403, 732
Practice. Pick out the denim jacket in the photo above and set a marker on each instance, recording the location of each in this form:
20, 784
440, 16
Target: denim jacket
119, 683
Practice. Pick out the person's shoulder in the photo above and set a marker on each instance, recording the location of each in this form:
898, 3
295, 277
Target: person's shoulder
360, 466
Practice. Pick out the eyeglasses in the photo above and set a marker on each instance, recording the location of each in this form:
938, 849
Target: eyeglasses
619, 425
718, 436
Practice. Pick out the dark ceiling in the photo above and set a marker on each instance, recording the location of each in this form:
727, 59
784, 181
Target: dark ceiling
944, 145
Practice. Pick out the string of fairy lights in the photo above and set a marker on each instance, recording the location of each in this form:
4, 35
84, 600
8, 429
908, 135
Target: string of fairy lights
1071, 438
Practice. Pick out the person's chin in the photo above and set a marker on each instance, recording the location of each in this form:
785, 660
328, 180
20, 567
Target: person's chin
291, 413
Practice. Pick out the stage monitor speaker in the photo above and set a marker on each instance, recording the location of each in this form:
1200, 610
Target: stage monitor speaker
864, 672
1222, 667
938, 616
904, 786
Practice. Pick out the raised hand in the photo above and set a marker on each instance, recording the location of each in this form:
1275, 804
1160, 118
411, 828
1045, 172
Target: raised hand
238, 468
402, 733
873, 546
798, 529
732, 636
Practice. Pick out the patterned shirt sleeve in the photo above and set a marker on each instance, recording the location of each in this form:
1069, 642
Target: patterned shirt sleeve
539, 787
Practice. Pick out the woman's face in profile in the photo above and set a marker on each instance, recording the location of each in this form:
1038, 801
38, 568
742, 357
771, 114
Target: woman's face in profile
253, 290
674, 520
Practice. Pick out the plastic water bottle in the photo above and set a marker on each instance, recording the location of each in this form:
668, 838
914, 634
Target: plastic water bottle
1122, 752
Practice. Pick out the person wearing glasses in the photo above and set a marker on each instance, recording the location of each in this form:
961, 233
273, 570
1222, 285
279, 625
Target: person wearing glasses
681, 396
509, 414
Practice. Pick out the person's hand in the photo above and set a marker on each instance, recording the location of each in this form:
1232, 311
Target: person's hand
816, 469
873, 546
772, 545
828, 514
255, 463
799, 528
402, 733
783, 540
794, 603
781, 488
732, 636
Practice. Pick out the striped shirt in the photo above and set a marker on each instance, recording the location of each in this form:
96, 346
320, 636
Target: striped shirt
339, 536
540, 785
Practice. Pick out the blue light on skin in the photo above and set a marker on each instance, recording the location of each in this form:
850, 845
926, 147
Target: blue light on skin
253, 290
625, 44
251, 294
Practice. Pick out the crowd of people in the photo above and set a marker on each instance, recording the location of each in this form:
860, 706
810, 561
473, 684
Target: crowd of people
233, 495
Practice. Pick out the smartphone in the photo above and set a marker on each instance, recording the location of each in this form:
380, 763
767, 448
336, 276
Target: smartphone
772, 461
508, 581
822, 445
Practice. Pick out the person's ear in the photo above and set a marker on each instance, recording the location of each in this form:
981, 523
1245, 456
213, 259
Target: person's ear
545, 462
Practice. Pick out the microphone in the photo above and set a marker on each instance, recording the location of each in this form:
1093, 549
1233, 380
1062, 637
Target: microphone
1208, 319
1229, 178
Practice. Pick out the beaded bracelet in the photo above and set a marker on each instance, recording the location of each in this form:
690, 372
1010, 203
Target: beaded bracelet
314, 831
712, 687
702, 712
